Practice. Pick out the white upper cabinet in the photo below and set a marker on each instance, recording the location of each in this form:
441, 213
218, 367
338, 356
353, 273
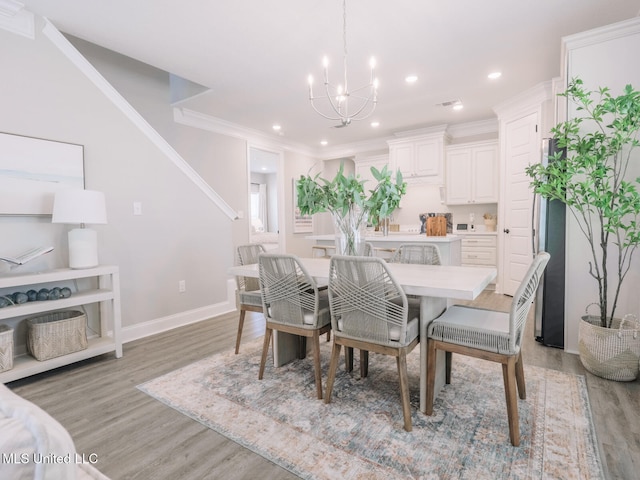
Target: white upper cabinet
472, 173
363, 169
420, 158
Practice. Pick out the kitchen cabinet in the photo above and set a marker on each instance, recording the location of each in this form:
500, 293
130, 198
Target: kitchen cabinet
419, 158
363, 169
99, 286
479, 250
472, 173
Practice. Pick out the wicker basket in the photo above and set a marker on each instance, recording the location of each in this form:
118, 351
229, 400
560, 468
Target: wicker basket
6, 348
56, 334
611, 353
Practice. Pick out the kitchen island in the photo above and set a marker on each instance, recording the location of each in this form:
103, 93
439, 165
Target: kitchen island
449, 246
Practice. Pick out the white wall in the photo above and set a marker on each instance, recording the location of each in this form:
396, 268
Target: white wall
181, 234
600, 58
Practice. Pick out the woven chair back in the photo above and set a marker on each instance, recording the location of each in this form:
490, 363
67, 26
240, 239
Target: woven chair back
425, 254
247, 255
368, 249
289, 294
366, 302
523, 298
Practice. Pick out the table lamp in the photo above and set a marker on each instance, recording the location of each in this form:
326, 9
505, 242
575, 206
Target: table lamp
80, 207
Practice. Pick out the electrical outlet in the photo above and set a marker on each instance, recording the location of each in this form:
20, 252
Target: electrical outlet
137, 208
182, 286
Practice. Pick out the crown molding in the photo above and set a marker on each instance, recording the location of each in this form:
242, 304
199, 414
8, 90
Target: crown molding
355, 148
602, 34
435, 130
210, 123
532, 98
471, 129
15, 19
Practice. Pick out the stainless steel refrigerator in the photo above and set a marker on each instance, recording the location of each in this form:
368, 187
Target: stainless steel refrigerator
548, 225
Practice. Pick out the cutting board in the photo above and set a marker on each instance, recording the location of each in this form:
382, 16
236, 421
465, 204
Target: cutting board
436, 227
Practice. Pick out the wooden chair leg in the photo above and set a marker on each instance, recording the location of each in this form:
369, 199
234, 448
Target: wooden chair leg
401, 360
364, 363
316, 363
348, 359
448, 359
509, 377
265, 350
431, 376
240, 325
329, 336
333, 366
522, 389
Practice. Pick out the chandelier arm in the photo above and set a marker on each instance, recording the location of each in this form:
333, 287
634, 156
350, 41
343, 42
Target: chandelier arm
370, 85
353, 117
325, 116
335, 108
339, 101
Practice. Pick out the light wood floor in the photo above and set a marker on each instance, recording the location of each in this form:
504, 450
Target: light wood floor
137, 437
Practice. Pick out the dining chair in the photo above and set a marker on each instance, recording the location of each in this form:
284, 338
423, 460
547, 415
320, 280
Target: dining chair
293, 303
249, 299
487, 335
369, 311
422, 253
369, 250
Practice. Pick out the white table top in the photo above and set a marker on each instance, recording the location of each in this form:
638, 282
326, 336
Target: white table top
463, 283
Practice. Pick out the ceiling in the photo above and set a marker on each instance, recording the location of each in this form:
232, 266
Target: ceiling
255, 56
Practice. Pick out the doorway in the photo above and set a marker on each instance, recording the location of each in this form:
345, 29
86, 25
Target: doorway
266, 202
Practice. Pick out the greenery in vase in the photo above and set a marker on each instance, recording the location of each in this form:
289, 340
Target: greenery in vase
345, 193
345, 198
591, 179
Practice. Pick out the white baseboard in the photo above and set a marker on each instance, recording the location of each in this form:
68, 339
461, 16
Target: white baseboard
159, 325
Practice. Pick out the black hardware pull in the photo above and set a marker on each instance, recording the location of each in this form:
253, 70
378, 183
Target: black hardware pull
506, 230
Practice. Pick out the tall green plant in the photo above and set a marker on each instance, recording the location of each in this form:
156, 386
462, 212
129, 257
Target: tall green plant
591, 178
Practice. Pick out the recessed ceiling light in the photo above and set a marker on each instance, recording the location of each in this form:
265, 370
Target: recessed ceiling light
375, 124
411, 78
494, 75
277, 127
323, 143
264, 168
458, 106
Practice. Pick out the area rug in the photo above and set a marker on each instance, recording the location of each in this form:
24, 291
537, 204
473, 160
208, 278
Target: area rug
359, 435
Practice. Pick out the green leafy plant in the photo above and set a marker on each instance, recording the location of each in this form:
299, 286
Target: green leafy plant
591, 179
345, 193
345, 198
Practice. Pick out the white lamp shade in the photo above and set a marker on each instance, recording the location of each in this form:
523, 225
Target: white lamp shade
79, 207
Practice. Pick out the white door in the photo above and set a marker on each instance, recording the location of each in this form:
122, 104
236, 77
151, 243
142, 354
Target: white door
522, 148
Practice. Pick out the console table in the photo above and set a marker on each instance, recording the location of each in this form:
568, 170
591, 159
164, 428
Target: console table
100, 285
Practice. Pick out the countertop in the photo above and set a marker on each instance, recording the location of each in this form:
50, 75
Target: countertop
395, 237
474, 232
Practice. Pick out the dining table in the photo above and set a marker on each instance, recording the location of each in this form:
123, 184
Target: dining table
438, 286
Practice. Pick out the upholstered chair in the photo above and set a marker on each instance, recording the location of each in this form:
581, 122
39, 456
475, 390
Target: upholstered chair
369, 311
249, 299
422, 253
293, 303
488, 335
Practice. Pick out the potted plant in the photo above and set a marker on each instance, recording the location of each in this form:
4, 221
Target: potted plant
589, 175
345, 198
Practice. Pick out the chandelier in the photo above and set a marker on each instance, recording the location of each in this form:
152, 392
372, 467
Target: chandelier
340, 103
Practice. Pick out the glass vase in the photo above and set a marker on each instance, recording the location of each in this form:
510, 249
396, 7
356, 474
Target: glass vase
350, 231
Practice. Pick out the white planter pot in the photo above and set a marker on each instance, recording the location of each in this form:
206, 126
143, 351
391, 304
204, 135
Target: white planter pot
611, 353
